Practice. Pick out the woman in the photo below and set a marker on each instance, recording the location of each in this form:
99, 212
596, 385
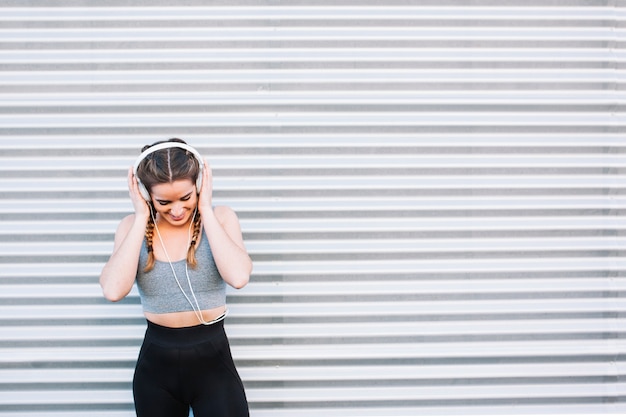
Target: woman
182, 252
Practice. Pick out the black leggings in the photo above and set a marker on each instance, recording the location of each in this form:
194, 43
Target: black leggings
188, 367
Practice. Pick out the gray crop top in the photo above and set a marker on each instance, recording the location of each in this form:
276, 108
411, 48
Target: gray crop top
160, 293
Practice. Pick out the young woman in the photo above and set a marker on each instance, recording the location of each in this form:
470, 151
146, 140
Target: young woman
181, 251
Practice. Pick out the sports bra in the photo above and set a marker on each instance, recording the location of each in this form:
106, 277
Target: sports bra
160, 293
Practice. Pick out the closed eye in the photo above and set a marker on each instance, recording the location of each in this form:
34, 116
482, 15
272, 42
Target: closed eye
183, 198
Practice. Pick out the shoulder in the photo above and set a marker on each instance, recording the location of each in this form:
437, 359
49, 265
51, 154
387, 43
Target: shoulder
123, 229
225, 214
125, 225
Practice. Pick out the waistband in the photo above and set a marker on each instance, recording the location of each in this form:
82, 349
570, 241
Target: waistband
184, 336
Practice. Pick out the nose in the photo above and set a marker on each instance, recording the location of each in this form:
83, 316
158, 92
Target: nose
177, 210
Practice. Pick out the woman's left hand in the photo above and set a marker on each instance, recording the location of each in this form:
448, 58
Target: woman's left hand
223, 230
205, 199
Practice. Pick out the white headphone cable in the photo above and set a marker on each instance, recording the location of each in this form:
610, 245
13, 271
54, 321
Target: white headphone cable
197, 312
193, 294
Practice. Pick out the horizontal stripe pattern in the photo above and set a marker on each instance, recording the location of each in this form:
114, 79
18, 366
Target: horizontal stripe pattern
432, 193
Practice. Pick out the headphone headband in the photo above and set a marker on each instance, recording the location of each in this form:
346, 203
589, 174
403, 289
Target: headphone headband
167, 145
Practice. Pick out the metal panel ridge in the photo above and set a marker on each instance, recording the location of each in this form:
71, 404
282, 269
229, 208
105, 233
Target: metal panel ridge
432, 193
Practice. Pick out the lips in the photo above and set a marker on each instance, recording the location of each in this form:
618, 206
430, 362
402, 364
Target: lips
177, 218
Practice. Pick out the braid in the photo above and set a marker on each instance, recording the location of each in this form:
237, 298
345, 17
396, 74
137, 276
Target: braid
191, 252
149, 240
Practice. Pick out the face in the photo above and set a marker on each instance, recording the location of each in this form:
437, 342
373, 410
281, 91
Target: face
175, 202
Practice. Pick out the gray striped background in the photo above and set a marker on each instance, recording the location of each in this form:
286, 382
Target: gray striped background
432, 192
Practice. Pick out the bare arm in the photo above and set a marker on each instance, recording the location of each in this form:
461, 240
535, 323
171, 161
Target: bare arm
224, 233
118, 274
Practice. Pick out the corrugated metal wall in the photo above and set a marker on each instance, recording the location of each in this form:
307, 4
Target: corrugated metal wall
432, 192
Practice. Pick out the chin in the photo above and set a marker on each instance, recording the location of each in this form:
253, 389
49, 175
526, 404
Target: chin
176, 220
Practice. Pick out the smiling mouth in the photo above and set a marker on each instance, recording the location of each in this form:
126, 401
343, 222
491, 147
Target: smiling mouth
177, 218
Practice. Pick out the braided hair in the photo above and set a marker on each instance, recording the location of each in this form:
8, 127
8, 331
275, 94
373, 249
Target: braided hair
166, 166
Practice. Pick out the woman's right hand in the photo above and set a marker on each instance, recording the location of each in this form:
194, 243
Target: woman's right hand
119, 273
142, 209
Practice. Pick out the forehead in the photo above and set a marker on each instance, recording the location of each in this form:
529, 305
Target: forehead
172, 190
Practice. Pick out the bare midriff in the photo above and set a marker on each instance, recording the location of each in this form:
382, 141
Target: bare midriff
184, 318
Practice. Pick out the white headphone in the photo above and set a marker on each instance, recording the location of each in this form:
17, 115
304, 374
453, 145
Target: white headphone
166, 145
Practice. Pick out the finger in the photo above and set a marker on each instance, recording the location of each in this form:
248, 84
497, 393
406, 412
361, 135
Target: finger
205, 174
130, 178
208, 173
133, 184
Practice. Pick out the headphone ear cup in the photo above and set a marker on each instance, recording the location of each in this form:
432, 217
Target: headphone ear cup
200, 174
143, 191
